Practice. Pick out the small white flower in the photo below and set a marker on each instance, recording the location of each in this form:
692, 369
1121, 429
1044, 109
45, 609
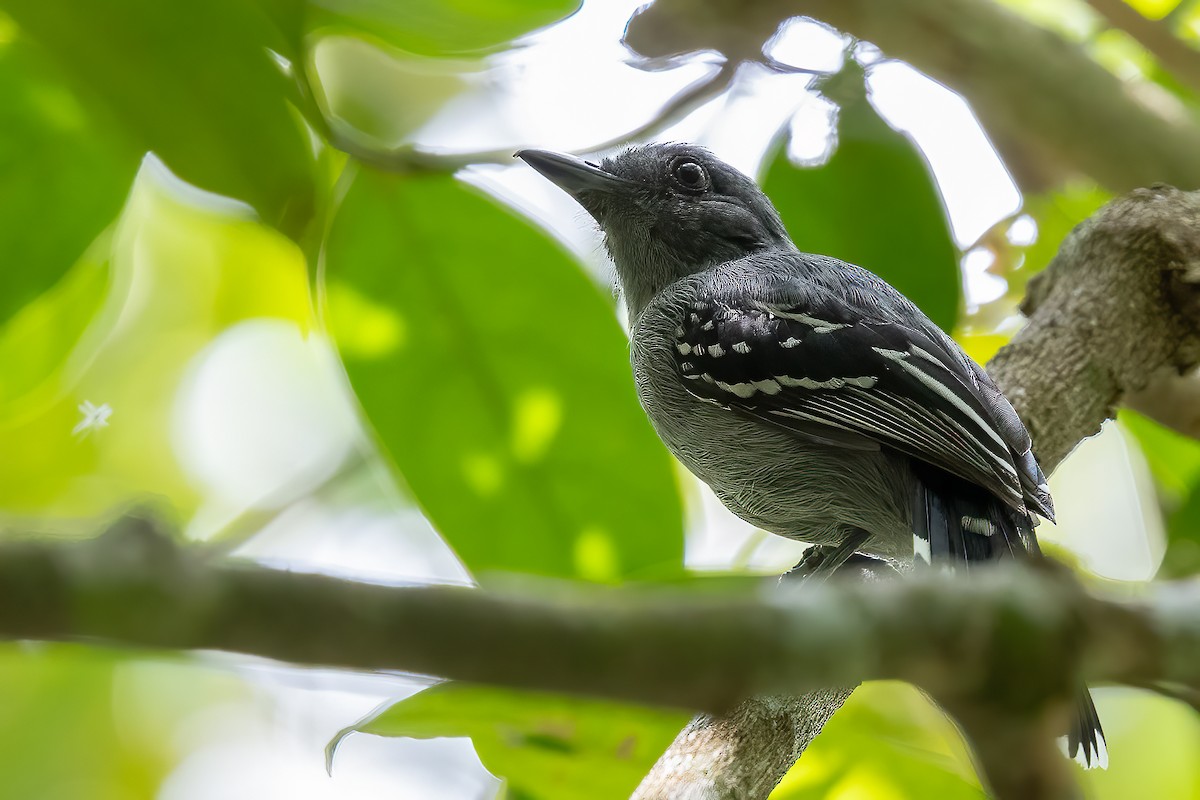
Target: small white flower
94, 418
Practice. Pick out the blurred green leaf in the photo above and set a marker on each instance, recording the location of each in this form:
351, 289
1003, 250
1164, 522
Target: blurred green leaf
874, 203
37, 341
887, 741
1154, 9
496, 375
1056, 214
1174, 461
1074, 20
545, 746
1153, 744
121, 329
63, 174
358, 83
61, 728
1182, 558
437, 27
195, 83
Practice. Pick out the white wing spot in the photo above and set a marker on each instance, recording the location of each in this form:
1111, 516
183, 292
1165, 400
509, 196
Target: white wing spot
921, 549
741, 347
894, 355
818, 325
684, 348
864, 381
740, 389
708, 326
791, 342
930, 357
716, 351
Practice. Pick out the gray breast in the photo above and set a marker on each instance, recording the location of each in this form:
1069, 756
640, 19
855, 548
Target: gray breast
771, 478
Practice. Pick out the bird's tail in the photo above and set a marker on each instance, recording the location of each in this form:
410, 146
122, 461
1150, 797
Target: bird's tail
958, 525
1084, 741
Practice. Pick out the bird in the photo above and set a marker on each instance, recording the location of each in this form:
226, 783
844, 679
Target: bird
814, 399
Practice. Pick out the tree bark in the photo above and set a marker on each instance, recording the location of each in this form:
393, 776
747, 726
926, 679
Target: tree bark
1015, 638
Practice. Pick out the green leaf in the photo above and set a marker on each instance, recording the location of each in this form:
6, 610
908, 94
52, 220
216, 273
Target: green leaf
84, 722
1174, 461
547, 746
912, 750
194, 82
95, 337
437, 27
874, 203
63, 174
497, 377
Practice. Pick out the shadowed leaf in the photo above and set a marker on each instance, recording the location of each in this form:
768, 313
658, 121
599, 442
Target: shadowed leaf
546, 746
497, 377
874, 203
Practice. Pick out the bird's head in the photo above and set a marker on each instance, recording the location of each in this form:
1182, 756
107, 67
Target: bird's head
667, 211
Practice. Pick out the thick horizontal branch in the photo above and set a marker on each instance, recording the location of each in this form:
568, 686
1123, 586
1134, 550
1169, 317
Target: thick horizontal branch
1034, 92
1022, 632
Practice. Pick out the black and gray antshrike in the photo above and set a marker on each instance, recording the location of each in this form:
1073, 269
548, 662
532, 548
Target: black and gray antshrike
817, 401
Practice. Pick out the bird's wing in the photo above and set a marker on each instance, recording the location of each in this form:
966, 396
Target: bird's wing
808, 363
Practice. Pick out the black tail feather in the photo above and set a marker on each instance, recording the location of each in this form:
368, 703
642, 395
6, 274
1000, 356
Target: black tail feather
959, 525
1085, 737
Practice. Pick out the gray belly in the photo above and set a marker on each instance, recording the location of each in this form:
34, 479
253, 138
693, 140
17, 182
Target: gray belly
774, 480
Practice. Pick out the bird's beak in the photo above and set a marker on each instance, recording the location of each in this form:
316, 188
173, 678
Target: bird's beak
572, 175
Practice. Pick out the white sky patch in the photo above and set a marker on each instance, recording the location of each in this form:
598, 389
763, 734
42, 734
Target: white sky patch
567, 87
1023, 231
261, 417
976, 188
1108, 514
811, 132
806, 44
745, 122
981, 287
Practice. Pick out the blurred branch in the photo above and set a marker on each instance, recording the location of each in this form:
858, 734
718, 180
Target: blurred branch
412, 158
1173, 53
1042, 99
1172, 400
1006, 638
1115, 317
1178, 14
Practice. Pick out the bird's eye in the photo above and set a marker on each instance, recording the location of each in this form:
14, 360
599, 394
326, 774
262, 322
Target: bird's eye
690, 174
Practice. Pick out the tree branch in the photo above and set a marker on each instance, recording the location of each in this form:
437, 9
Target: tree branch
1015, 636
1115, 317
1001, 650
1033, 91
1116, 312
1173, 53
412, 158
